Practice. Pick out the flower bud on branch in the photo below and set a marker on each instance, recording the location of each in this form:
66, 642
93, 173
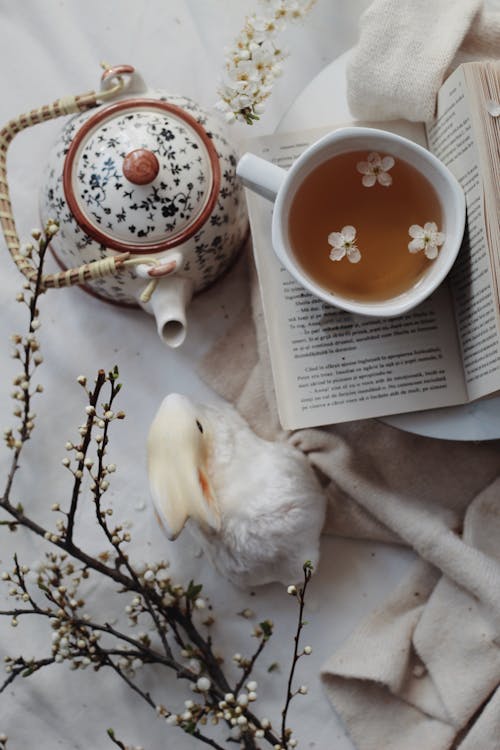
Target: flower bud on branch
254, 61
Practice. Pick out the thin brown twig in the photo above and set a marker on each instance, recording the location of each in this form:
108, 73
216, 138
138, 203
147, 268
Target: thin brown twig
296, 656
31, 666
78, 474
122, 559
27, 354
248, 669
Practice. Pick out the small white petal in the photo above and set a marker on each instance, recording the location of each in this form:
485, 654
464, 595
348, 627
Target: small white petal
384, 179
374, 159
387, 163
348, 233
416, 231
353, 255
438, 238
493, 108
430, 226
364, 167
337, 253
417, 244
431, 251
336, 240
369, 180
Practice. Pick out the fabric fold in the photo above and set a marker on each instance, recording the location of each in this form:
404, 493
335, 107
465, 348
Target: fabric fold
420, 670
423, 670
406, 49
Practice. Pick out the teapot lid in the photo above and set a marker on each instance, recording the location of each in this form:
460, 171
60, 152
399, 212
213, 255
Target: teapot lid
141, 175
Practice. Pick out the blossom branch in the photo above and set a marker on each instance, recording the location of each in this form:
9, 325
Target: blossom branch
26, 351
264, 631
24, 668
254, 61
171, 608
82, 455
286, 740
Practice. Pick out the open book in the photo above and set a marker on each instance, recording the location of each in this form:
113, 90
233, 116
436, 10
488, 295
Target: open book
331, 366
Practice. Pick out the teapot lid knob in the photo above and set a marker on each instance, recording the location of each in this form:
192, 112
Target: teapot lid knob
140, 166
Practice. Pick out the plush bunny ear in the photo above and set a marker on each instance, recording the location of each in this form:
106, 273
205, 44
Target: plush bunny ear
180, 492
178, 477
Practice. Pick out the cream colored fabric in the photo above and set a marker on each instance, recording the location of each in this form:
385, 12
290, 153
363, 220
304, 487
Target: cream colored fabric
406, 49
427, 663
423, 672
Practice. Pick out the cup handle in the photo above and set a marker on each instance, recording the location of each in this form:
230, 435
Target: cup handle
260, 175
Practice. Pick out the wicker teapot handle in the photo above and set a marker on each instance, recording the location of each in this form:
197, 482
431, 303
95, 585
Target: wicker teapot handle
114, 83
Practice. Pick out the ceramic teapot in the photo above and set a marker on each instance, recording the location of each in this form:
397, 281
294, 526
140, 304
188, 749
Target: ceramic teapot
144, 189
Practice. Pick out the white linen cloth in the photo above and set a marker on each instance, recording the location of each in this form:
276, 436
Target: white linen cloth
427, 662
424, 669
405, 50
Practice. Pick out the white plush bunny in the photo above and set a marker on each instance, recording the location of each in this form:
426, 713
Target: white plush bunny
256, 506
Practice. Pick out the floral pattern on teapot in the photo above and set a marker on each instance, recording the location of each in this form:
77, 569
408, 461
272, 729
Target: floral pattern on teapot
141, 214
161, 208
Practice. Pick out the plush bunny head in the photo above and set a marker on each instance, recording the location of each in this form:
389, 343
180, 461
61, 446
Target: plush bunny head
256, 507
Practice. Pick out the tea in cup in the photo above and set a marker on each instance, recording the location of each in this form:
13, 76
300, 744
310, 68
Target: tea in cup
366, 220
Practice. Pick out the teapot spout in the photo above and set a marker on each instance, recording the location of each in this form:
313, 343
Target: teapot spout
168, 305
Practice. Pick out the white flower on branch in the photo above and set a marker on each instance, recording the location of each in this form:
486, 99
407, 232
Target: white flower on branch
254, 61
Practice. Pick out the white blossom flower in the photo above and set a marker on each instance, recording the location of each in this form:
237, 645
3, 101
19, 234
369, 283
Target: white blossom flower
376, 169
426, 238
343, 243
253, 62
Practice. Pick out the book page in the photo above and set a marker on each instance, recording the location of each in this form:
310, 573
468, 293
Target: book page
331, 366
451, 139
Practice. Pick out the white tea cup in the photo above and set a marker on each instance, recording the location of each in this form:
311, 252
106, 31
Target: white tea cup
280, 185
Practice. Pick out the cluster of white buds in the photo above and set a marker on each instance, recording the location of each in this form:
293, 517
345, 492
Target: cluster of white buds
18, 589
193, 714
155, 575
254, 61
61, 580
26, 350
51, 228
232, 710
74, 644
135, 609
242, 661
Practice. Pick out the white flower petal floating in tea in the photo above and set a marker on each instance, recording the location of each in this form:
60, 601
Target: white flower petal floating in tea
426, 238
343, 244
376, 169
